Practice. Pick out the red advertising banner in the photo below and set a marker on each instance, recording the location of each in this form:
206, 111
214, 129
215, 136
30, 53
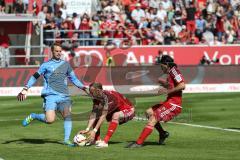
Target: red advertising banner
131, 76
183, 55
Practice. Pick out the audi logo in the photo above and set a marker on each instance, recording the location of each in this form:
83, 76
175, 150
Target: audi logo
88, 57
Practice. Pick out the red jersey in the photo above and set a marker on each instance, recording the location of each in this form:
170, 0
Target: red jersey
104, 27
174, 78
112, 101
84, 25
119, 34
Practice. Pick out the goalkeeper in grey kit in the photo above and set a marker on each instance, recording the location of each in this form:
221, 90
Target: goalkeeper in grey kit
55, 92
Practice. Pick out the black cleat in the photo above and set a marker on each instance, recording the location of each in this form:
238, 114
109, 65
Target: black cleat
163, 137
134, 145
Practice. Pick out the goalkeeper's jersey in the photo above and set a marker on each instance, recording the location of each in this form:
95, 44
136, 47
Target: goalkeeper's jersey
55, 74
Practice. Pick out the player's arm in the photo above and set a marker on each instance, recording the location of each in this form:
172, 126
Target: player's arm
101, 118
92, 119
178, 79
23, 94
73, 78
163, 82
179, 87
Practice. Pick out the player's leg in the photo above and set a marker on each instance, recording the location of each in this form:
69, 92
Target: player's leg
166, 113
112, 126
162, 133
119, 117
148, 128
49, 106
65, 109
146, 131
111, 129
50, 116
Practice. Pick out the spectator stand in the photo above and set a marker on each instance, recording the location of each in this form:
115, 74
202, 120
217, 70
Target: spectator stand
19, 30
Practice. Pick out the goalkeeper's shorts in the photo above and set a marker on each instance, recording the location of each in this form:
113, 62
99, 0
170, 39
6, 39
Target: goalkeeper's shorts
56, 102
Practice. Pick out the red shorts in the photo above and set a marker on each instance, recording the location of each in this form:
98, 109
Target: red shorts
125, 115
166, 111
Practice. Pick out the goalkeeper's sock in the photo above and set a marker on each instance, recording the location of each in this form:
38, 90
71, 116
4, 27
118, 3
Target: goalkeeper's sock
145, 133
111, 129
39, 117
67, 127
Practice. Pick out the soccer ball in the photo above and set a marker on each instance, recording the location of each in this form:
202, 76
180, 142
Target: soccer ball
80, 140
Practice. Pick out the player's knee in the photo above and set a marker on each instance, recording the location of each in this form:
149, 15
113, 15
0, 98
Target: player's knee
152, 121
50, 120
116, 116
149, 112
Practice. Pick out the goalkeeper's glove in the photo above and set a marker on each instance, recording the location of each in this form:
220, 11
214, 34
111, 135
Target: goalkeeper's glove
23, 94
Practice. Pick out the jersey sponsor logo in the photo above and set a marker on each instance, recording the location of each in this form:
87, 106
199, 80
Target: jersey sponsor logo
177, 76
166, 112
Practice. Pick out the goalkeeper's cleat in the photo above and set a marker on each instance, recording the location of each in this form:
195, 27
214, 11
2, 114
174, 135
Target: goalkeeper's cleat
102, 144
27, 120
134, 145
162, 138
69, 143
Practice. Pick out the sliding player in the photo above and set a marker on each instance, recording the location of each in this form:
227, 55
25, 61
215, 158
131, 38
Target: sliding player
168, 109
109, 105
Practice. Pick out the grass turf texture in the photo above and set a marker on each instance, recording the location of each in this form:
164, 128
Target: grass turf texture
41, 141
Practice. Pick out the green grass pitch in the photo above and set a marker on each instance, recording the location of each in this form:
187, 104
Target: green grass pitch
42, 142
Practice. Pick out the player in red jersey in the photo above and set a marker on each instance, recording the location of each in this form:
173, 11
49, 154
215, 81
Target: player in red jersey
109, 105
167, 110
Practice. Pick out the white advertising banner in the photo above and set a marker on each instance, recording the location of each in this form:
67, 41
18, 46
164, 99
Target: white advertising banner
78, 6
141, 89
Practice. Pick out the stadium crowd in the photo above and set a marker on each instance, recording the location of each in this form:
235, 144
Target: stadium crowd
144, 22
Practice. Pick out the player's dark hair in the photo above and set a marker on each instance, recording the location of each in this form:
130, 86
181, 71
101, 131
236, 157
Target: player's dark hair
55, 44
96, 85
167, 60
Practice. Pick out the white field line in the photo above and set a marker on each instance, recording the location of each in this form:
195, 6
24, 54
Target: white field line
8, 120
178, 123
194, 125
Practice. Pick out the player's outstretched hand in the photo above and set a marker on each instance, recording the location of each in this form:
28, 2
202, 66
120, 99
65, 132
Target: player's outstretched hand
22, 95
162, 91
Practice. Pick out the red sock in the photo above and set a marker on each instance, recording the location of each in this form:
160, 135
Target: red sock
111, 129
145, 133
